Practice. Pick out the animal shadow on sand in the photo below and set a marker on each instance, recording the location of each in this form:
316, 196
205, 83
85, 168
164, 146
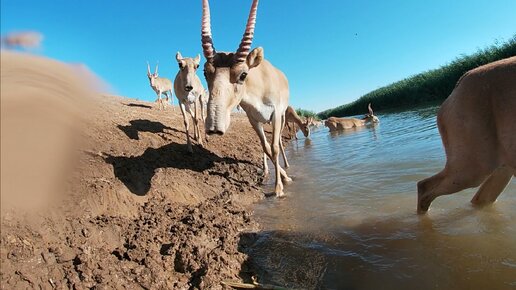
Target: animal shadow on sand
136, 172
141, 125
139, 105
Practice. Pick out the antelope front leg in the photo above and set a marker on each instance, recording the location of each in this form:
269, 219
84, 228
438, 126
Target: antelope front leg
193, 114
185, 120
160, 102
258, 127
202, 109
276, 140
281, 143
265, 166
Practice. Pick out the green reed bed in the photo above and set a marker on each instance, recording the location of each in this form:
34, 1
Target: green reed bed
429, 87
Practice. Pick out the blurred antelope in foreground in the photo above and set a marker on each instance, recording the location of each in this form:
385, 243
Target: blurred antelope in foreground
335, 124
189, 91
245, 78
477, 124
160, 86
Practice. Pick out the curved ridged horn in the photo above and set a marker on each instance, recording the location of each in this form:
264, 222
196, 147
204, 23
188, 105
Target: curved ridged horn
207, 41
245, 45
370, 109
148, 68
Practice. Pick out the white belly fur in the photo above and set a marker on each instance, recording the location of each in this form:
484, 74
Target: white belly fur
261, 112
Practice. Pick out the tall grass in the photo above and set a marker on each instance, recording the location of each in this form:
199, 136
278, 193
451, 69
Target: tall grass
430, 87
307, 113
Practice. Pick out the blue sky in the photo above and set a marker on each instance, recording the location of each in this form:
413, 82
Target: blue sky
332, 51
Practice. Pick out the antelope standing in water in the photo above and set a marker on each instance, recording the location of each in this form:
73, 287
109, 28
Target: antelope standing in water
290, 117
189, 90
160, 86
336, 124
477, 124
245, 78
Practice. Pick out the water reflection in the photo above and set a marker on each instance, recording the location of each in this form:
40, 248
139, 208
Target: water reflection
349, 221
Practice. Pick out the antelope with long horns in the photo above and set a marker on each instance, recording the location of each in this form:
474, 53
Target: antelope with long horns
246, 78
477, 124
160, 86
336, 124
189, 91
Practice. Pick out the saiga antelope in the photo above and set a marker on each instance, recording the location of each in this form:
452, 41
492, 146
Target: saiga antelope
290, 117
477, 124
160, 86
189, 90
245, 78
335, 124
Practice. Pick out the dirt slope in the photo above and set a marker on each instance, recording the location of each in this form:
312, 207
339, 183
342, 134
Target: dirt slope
141, 212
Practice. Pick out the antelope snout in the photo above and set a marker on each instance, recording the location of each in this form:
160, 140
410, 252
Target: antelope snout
188, 88
215, 130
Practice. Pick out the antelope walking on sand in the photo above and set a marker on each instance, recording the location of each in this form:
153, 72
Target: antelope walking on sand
336, 124
245, 78
189, 90
477, 124
160, 86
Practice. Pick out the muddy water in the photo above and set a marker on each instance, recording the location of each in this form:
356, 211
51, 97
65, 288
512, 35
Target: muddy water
349, 221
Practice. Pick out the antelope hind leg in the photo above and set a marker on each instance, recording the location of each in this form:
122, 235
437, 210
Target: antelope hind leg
493, 186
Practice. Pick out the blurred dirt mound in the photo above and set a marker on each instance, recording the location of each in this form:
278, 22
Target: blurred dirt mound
139, 212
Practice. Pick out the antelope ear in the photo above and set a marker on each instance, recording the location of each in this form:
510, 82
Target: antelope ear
179, 57
255, 57
197, 59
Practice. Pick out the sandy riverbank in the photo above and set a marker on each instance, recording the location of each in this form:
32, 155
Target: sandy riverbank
139, 211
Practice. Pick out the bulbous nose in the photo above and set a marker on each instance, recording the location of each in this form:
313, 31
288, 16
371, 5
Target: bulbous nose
188, 88
215, 132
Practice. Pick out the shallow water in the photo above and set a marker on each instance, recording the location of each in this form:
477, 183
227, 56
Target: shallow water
349, 220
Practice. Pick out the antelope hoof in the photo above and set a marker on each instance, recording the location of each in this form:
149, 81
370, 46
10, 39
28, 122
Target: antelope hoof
189, 149
423, 204
286, 179
280, 194
279, 190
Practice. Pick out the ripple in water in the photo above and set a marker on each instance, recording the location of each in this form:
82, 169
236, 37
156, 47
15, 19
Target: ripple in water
349, 221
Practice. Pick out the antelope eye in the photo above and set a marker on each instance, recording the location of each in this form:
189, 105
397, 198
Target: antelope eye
196, 66
243, 76
181, 66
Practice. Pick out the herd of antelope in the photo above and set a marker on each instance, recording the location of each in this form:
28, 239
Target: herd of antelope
477, 122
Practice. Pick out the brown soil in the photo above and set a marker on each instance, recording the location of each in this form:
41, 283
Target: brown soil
142, 212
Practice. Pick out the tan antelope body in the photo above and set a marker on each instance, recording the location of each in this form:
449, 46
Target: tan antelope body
189, 91
337, 124
245, 78
291, 117
477, 124
160, 86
